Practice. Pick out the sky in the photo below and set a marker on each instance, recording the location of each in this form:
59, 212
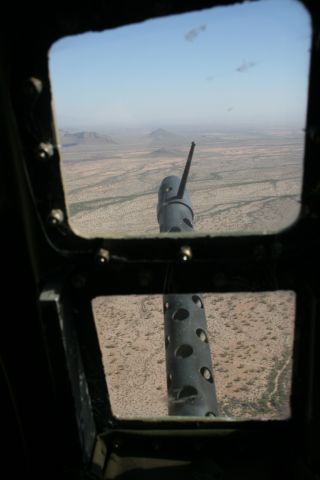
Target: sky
244, 65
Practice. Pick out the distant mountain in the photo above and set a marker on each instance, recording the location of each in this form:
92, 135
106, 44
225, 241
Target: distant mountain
160, 136
84, 138
164, 152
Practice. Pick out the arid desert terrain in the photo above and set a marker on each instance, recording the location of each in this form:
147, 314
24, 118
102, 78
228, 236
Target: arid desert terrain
239, 183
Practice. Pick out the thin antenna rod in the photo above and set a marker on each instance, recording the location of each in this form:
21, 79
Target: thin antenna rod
185, 174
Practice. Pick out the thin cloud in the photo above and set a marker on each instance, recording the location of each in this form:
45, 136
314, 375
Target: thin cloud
192, 34
245, 66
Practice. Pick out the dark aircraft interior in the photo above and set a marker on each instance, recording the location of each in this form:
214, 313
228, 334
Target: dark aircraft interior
56, 419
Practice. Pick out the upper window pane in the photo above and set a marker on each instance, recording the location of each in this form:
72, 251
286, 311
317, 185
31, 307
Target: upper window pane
130, 101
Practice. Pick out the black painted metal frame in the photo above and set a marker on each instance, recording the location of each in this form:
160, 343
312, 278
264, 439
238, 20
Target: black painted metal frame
81, 269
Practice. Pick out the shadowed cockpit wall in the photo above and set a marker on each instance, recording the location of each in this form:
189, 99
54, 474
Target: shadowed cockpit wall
38, 428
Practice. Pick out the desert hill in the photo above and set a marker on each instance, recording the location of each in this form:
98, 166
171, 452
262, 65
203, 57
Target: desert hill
68, 139
163, 137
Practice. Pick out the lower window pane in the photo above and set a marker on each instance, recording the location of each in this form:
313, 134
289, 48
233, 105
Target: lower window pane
250, 337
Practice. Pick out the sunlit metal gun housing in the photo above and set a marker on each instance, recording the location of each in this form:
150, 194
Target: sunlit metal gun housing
190, 382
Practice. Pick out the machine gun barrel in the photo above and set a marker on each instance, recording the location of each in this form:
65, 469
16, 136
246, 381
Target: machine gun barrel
185, 174
190, 381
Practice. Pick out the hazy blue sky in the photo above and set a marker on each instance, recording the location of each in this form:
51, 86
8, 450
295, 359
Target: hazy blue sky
243, 65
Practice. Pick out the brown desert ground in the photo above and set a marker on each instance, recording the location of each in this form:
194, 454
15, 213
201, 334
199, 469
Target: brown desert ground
239, 183
250, 338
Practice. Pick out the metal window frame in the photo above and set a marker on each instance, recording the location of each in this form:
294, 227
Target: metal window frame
80, 269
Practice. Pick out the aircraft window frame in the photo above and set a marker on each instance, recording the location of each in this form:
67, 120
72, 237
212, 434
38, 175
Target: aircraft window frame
87, 268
